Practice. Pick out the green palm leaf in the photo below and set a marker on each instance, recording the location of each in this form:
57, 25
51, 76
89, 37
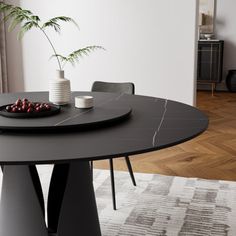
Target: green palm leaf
35, 18
26, 27
15, 21
55, 26
76, 55
17, 15
27, 21
10, 13
5, 7
62, 58
54, 22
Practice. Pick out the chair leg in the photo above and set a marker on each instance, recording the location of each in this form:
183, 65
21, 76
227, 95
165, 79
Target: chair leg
130, 170
91, 166
112, 184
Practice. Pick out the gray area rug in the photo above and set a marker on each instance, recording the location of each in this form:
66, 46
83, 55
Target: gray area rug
162, 205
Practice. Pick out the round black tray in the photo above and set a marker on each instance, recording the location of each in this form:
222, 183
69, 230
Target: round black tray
70, 118
54, 110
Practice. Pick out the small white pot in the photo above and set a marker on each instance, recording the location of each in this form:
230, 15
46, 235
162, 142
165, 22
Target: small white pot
83, 101
59, 89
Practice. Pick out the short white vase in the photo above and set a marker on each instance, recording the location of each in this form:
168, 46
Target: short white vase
59, 89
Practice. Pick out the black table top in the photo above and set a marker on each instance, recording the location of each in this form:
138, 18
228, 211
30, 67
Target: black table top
154, 124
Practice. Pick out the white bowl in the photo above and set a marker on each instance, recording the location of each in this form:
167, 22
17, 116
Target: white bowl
83, 101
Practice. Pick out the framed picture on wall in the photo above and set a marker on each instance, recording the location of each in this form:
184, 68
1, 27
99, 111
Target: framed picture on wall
206, 16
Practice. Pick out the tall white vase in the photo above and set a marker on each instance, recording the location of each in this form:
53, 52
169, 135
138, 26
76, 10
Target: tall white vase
59, 89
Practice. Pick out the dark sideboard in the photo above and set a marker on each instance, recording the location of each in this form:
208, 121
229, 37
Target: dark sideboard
210, 62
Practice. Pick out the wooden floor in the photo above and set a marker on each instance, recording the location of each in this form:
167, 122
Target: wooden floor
211, 155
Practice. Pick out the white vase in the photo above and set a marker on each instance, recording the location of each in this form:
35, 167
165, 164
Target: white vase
59, 89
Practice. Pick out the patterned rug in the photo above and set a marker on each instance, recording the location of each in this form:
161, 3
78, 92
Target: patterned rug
162, 205
166, 206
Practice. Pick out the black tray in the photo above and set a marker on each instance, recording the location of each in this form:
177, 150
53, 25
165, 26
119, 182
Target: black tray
54, 110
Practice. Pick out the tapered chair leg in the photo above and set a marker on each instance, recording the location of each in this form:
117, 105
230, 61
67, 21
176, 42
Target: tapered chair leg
130, 170
112, 184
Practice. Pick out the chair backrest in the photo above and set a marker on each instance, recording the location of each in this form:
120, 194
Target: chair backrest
99, 86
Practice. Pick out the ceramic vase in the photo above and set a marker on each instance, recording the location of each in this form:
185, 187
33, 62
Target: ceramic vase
59, 89
231, 81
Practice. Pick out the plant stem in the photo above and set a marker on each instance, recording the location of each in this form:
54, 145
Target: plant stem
53, 48
50, 42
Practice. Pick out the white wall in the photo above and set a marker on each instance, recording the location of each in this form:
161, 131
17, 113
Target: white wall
149, 42
226, 30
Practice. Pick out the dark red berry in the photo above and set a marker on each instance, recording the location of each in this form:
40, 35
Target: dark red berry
37, 109
14, 110
29, 110
24, 108
30, 105
18, 102
8, 108
24, 103
48, 107
42, 108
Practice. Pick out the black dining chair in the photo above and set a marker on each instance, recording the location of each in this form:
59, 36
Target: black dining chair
128, 88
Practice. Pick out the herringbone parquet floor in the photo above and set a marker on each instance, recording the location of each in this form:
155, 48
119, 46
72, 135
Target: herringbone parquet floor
211, 155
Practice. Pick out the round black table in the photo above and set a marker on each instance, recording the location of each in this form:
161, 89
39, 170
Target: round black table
153, 124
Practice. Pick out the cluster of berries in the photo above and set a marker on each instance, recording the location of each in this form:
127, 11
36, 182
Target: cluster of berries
26, 106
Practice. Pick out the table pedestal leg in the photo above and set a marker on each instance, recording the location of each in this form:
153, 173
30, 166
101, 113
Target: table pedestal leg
73, 202
20, 210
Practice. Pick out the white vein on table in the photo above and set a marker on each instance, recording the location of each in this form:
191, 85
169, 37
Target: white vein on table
72, 117
119, 96
82, 113
160, 124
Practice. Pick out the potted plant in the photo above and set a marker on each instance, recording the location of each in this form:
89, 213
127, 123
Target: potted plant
59, 88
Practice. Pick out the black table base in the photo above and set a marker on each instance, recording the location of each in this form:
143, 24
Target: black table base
72, 206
